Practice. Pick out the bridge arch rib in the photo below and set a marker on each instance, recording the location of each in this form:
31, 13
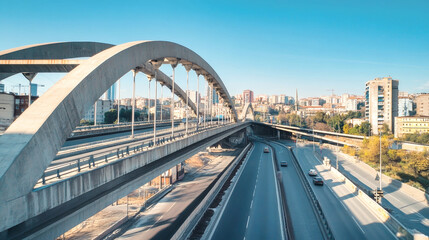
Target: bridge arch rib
32, 141
55, 50
247, 110
67, 50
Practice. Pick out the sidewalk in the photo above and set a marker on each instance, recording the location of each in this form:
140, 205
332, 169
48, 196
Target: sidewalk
409, 205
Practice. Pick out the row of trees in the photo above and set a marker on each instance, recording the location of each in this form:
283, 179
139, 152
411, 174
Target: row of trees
325, 122
124, 114
400, 164
422, 138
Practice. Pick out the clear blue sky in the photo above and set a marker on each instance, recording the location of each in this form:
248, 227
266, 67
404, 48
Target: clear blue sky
270, 47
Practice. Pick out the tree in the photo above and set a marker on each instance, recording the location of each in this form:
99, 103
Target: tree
365, 128
385, 129
110, 116
127, 113
346, 128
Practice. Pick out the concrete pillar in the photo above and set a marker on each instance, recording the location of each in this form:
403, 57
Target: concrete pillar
95, 112
133, 103
156, 64
198, 100
161, 99
155, 112
211, 104
148, 98
173, 65
30, 76
187, 68
119, 98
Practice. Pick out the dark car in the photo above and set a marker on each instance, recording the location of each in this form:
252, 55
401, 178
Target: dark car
318, 181
283, 164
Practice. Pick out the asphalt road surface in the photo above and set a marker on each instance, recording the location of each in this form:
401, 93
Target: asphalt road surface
253, 209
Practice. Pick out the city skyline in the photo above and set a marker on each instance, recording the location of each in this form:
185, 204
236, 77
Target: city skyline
310, 46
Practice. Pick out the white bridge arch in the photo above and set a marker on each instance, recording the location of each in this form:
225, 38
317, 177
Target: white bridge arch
33, 140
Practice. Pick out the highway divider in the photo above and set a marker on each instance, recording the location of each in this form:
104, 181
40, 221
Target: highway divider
323, 223
194, 218
285, 206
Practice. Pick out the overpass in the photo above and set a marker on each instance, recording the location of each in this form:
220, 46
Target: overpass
46, 189
31, 143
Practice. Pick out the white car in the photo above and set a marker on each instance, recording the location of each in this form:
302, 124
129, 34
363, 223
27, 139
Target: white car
266, 150
312, 172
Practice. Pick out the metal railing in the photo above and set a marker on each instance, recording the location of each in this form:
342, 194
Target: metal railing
114, 152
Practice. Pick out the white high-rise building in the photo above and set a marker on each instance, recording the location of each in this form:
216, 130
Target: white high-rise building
110, 94
405, 106
381, 102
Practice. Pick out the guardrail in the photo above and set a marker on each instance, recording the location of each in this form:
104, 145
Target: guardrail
326, 229
191, 222
114, 125
74, 166
285, 207
391, 222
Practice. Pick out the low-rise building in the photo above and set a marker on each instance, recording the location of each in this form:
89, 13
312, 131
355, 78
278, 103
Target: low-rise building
411, 124
422, 104
102, 107
7, 107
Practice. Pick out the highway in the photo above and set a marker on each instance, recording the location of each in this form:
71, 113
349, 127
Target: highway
348, 216
253, 209
304, 221
410, 212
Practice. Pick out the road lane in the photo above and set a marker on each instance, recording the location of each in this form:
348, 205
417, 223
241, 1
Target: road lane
304, 221
264, 218
412, 213
252, 210
339, 202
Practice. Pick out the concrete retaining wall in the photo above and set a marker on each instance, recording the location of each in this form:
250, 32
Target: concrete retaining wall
186, 228
394, 225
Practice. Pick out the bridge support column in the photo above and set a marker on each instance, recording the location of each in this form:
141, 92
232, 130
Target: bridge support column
30, 76
148, 99
133, 102
155, 112
198, 101
156, 64
187, 68
173, 65
95, 112
119, 98
211, 105
162, 87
